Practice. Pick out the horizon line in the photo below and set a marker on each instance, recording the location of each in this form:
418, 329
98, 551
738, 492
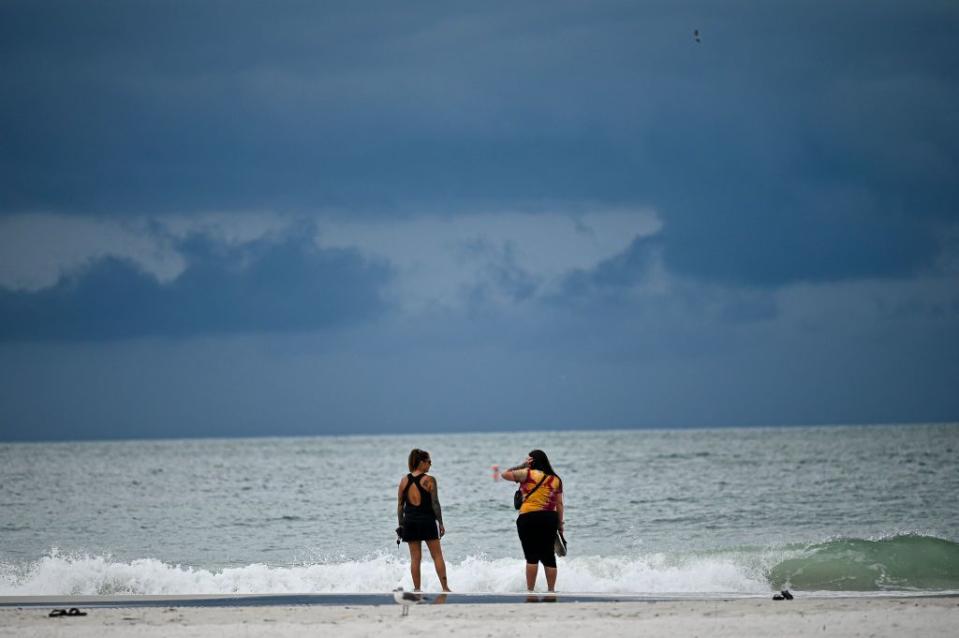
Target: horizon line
691, 428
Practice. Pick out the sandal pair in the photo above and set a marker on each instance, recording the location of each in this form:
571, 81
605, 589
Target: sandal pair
73, 611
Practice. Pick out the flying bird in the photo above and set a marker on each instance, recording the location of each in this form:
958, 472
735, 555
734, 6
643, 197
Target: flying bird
696, 35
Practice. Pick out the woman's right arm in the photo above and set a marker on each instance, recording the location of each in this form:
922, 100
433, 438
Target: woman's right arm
517, 473
399, 502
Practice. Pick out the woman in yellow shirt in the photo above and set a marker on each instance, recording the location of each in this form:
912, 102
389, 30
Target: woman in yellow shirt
540, 516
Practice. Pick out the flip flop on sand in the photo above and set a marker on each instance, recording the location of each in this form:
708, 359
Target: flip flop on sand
73, 611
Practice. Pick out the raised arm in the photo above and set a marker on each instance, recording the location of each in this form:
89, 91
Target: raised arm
399, 502
517, 473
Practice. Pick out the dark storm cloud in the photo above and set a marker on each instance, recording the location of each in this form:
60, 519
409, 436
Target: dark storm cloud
798, 141
618, 273
262, 286
609, 289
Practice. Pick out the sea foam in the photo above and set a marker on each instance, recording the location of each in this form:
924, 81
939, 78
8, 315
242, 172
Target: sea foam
57, 574
904, 562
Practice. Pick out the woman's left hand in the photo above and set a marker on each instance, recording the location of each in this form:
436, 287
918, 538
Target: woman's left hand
442, 530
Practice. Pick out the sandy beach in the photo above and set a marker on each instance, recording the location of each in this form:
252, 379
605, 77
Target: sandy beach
934, 616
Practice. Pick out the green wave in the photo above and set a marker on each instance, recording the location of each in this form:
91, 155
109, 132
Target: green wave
904, 562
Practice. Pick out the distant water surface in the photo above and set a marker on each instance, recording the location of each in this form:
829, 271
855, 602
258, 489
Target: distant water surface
700, 511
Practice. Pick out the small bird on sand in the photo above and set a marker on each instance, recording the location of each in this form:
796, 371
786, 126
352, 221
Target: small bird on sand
406, 599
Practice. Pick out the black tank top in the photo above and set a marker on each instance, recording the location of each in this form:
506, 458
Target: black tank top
425, 508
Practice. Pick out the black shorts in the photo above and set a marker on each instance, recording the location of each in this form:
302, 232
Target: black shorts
420, 529
537, 533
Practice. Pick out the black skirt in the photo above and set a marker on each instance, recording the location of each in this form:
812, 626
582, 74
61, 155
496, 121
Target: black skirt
420, 529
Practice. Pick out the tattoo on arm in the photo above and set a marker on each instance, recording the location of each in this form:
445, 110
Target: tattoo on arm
435, 497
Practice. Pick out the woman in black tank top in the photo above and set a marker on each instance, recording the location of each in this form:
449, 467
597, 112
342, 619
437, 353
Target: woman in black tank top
420, 516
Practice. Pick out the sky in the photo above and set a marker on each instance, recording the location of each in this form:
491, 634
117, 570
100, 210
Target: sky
298, 218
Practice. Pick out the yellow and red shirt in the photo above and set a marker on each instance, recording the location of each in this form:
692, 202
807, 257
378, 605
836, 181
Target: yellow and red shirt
544, 499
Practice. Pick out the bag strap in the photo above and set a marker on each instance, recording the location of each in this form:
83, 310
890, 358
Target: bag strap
545, 476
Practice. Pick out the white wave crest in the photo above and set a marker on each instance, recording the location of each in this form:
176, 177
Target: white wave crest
56, 574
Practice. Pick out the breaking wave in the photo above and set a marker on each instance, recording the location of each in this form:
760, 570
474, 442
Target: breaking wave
898, 563
904, 562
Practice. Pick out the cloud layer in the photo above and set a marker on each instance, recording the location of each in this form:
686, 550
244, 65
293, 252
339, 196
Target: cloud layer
95, 278
791, 144
266, 285
234, 218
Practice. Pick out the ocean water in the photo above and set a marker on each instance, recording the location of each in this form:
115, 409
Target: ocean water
723, 511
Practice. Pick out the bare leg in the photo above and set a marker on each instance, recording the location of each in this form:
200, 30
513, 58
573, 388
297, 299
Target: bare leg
531, 576
436, 552
550, 578
416, 555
